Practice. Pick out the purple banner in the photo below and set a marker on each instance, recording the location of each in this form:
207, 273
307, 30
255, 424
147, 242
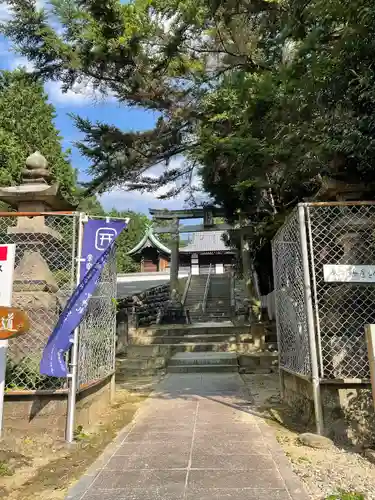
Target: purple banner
60, 341
97, 236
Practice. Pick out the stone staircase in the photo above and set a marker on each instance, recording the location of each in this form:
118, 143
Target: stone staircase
218, 306
194, 298
201, 347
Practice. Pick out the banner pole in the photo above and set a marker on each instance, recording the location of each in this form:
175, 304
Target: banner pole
73, 375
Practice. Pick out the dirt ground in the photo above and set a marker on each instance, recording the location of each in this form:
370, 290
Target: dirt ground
324, 472
40, 467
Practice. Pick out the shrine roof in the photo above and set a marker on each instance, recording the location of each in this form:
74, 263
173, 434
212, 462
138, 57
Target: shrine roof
206, 241
149, 240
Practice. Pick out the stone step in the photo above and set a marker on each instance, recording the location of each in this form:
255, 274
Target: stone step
187, 338
212, 347
195, 318
124, 365
217, 310
205, 359
197, 329
142, 350
211, 314
238, 347
203, 369
123, 376
257, 362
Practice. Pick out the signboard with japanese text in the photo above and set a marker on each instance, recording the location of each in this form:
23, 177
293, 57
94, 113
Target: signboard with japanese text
7, 257
345, 273
7, 254
13, 322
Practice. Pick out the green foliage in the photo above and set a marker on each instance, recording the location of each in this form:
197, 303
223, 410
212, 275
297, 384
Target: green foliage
25, 375
5, 469
266, 97
79, 434
128, 239
346, 495
26, 125
63, 278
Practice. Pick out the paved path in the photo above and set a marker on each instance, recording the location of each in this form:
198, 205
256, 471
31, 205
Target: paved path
194, 439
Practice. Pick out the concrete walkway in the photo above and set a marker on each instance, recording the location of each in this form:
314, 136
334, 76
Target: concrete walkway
195, 438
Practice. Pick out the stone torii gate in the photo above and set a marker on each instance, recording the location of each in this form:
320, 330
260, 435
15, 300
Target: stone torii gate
208, 214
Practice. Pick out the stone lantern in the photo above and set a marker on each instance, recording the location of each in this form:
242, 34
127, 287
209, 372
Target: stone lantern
38, 248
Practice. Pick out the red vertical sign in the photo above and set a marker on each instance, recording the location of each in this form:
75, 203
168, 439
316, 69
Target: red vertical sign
3, 253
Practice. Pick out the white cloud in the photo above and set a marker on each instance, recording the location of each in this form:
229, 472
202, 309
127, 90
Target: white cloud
80, 95
137, 201
6, 10
22, 62
5, 13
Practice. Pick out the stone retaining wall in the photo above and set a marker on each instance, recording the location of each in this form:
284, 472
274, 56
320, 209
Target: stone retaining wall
34, 413
348, 409
144, 307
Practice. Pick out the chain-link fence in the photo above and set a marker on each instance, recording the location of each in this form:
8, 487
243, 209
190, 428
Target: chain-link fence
342, 245
290, 300
336, 244
97, 335
44, 279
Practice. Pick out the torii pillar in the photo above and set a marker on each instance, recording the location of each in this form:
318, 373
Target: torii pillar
174, 246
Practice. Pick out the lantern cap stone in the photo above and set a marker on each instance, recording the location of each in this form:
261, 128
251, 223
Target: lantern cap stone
37, 192
36, 160
36, 171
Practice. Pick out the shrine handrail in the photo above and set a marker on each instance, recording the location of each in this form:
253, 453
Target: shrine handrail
204, 304
186, 289
232, 292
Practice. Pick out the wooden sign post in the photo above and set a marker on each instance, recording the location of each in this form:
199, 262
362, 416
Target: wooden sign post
7, 255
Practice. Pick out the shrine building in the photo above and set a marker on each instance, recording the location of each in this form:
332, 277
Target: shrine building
205, 248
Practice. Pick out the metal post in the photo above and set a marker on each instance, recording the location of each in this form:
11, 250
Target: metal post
370, 342
73, 376
174, 257
275, 281
310, 322
313, 276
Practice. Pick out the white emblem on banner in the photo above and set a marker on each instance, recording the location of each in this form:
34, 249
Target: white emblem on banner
104, 237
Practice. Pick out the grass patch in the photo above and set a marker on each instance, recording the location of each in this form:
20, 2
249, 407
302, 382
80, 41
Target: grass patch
346, 495
5, 470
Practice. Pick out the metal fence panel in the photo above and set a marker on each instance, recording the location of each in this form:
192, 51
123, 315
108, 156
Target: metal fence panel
45, 277
342, 234
43, 281
291, 320
97, 335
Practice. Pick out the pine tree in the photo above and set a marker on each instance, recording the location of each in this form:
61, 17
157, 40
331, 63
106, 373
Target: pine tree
26, 125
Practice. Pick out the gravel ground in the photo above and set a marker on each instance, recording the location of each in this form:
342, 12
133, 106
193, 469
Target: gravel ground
324, 472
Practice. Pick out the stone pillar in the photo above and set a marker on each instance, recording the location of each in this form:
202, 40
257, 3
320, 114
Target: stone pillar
245, 251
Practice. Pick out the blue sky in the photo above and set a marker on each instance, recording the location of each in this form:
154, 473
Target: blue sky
108, 111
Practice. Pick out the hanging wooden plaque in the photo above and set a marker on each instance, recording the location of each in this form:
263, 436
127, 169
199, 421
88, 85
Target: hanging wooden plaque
13, 322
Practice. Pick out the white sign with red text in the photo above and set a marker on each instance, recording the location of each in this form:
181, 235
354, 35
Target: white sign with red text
7, 256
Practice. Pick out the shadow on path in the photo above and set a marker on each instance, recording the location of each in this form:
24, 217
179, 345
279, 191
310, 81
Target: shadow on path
195, 438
